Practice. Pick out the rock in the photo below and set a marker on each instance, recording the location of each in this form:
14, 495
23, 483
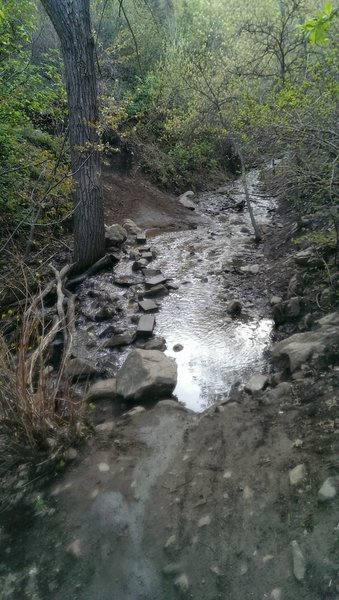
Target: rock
82, 344
297, 475
106, 427
148, 256
257, 383
148, 305
156, 343
275, 300
146, 325
177, 347
147, 375
172, 569
151, 272
136, 410
70, 454
299, 348
282, 390
170, 542
185, 201
234, 308
254, 269
295, 286
156, 280
204, 521
128, 281
115, 235
328, 490
80, 368
139, 265
157, 290
276, 594
182, 583
299, 563
287, 311
302, 257
123, 339
107, 388
131, 227
141, 238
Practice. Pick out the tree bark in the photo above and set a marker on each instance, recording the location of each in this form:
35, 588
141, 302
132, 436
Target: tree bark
71, 20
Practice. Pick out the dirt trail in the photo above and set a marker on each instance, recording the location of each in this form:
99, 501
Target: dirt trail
164, 504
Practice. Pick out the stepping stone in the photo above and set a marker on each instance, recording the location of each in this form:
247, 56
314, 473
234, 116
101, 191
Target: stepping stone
148, 305
141, 238
151, 272
156, 280
157, 290
146, 325
147, 255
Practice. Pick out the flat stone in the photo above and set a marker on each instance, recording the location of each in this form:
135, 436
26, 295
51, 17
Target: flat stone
107, 388
299, 562
141, 238
257, 383
147, 256
157, 290
147, 375
297, 475
128, 281
156, 280
328, 490
302, 257
148, 305
123, 339
151, 272
146, 325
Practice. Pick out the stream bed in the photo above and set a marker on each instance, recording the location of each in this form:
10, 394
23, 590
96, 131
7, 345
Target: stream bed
207, 267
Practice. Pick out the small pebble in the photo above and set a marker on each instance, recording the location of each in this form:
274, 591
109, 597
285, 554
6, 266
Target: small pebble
204, 521
103, 467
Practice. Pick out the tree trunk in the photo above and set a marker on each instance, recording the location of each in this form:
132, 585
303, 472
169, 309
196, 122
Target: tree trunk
71, 20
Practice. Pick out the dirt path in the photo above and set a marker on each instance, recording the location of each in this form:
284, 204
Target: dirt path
164, 504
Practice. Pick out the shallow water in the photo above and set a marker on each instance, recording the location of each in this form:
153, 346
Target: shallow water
218, 351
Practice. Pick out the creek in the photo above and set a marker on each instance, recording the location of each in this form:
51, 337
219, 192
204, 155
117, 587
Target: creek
205, 264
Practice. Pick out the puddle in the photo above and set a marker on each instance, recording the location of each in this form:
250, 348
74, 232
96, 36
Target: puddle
218, 351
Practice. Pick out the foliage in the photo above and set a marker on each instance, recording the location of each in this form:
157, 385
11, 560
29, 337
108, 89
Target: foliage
316, 27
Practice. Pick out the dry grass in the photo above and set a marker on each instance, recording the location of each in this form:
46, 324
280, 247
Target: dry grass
38, 414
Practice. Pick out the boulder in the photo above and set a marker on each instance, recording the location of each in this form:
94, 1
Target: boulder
107, 388
131, 227
115, 235
147, 375
299, 348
